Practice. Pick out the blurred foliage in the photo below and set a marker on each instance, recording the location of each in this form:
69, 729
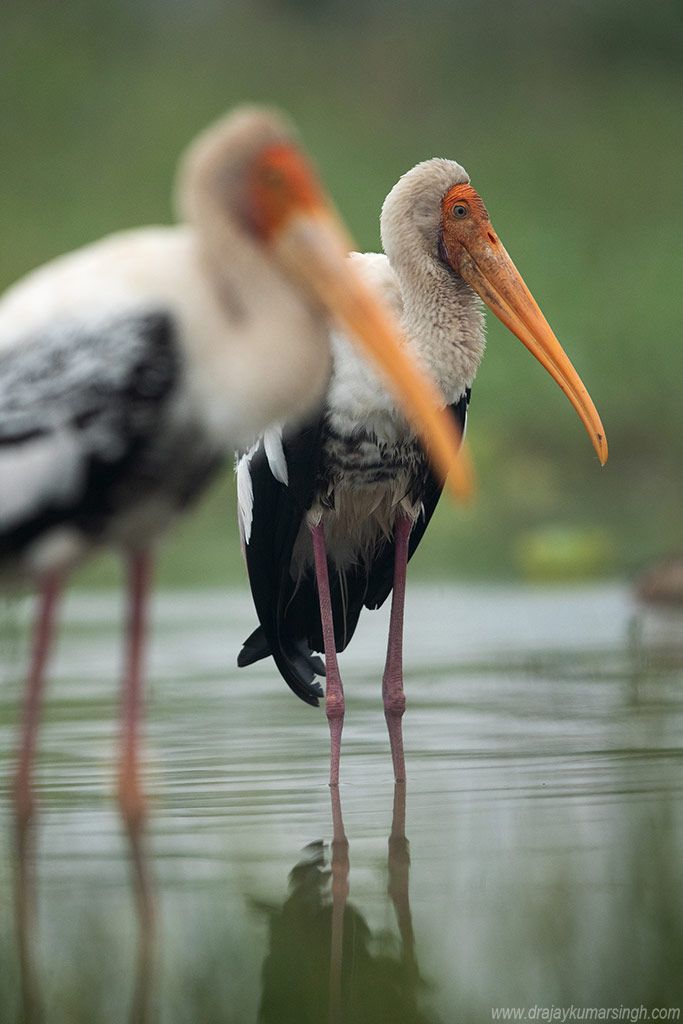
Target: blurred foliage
567, 116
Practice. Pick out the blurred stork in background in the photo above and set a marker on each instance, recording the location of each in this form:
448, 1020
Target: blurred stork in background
130, 369
337, 508
662, 583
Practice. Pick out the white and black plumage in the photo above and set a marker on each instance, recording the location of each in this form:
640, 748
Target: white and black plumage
86, 439
131, 369
354, 482
356, 485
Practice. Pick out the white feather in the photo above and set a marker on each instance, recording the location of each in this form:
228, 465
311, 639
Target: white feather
245, 494
275, 453
33, 475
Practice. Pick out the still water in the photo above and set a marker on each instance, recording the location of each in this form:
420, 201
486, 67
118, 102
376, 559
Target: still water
540, 862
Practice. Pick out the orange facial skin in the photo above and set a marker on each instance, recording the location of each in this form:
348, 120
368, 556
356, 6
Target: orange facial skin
474, 251
281, 183
470, 198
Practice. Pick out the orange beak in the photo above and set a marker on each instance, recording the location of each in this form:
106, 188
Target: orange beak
479, 257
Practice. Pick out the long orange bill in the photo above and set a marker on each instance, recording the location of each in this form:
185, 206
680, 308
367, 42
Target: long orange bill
484, 263
314, 246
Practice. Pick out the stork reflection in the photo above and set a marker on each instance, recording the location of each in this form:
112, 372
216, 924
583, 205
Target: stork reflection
324, 961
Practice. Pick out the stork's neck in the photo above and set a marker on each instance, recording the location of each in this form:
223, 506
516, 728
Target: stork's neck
266, 351
233, 264
442, 318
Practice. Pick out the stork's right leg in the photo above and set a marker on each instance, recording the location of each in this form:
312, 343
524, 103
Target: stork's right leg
24, 799
392, 682
334, 691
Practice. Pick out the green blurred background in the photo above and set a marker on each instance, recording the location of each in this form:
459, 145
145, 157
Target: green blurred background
567, 115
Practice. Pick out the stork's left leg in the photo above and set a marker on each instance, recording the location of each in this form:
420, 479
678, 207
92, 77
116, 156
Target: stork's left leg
392, 682
334, 690
131, 798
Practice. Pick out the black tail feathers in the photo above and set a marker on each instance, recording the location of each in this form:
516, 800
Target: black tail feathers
254, 649
297, 664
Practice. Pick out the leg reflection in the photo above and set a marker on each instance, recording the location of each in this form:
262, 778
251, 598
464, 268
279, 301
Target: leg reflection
24, 799
339, 868
399, 878
142, 1006
325, 962
30, 994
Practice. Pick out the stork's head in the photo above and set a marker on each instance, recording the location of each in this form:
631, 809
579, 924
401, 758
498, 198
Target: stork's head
434, 207
246, 183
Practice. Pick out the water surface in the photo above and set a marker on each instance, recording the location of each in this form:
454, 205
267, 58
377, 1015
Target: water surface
542, 859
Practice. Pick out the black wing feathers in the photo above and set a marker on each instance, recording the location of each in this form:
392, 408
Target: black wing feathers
277, 513
381, 577
289, 613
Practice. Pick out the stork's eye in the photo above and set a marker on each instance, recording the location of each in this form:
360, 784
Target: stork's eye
459, 211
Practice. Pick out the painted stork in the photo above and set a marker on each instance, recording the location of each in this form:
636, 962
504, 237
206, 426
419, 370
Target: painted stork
131, 369
338, 507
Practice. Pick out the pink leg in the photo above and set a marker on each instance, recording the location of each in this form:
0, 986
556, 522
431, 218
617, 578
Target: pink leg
392, 682
35, 686
334, 691
131, 798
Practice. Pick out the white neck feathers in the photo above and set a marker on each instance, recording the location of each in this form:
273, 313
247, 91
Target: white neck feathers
442, 316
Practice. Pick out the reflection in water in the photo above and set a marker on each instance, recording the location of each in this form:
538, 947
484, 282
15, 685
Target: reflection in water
25, 825
25, 913
545, 817
339, 871
32, 1002
142, 1004
317, 926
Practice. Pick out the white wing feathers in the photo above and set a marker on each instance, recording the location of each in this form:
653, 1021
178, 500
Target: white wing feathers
45, 471
275, 454
245, 494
